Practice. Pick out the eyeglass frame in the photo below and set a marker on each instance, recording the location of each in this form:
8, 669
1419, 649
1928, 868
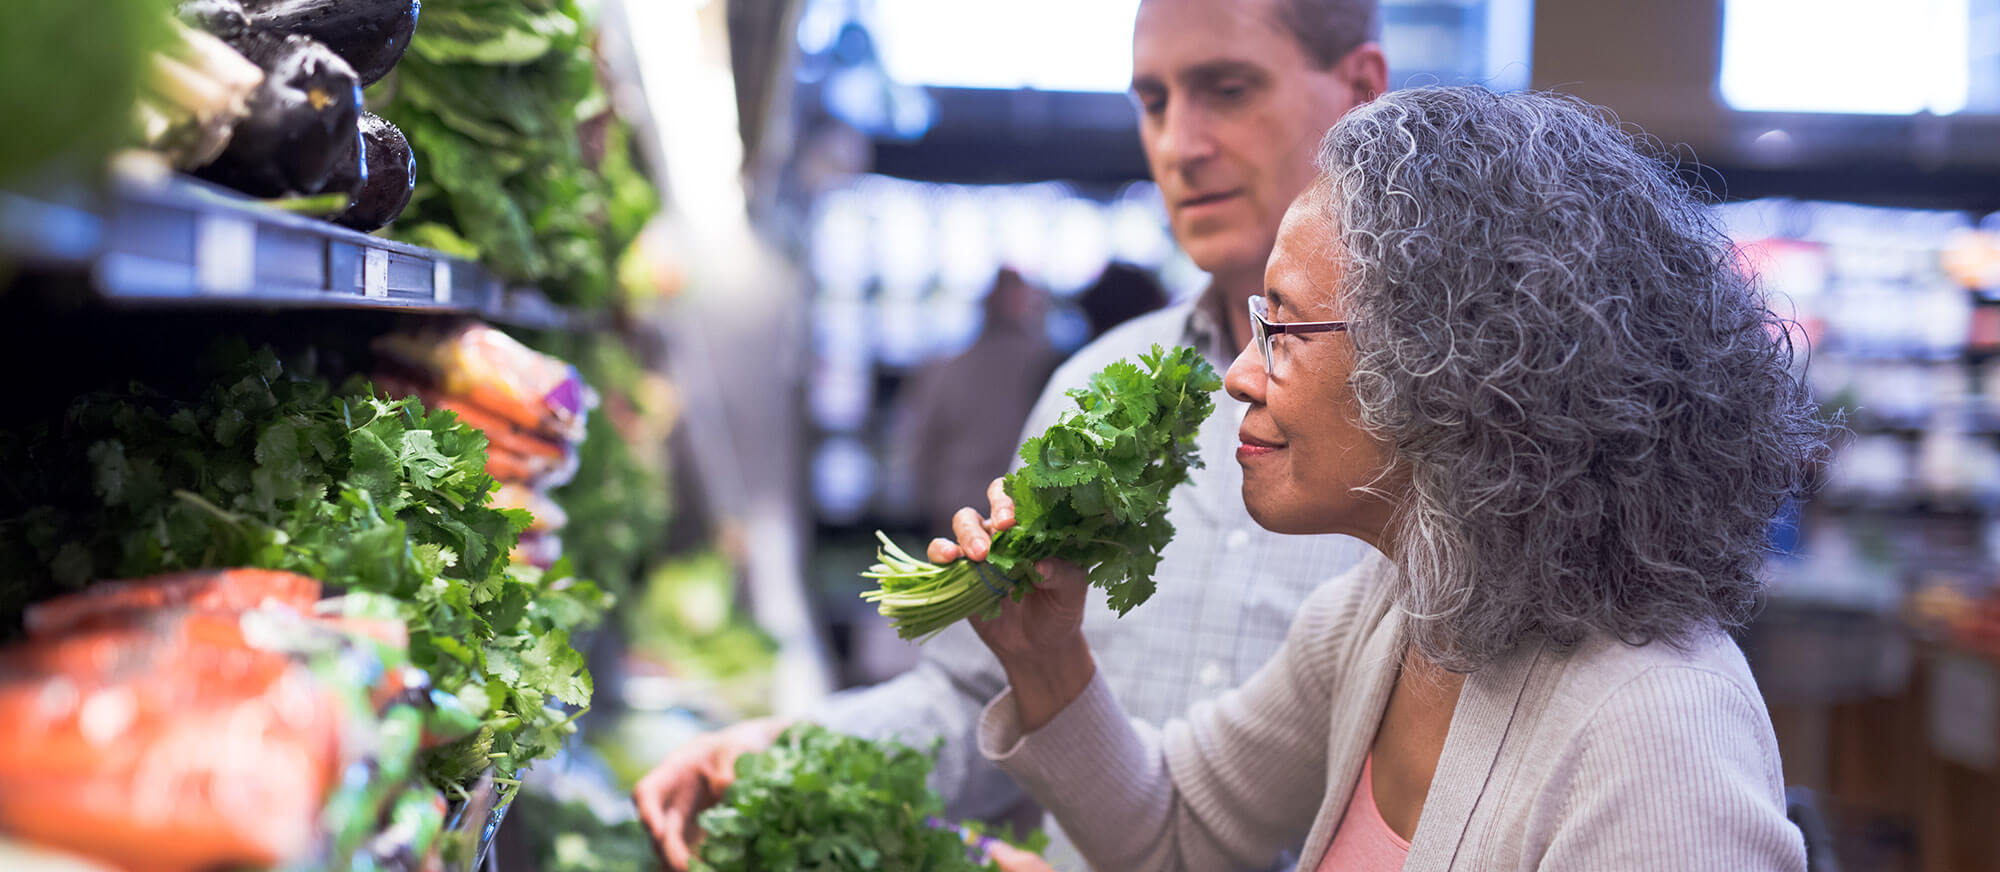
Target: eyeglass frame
1262, 329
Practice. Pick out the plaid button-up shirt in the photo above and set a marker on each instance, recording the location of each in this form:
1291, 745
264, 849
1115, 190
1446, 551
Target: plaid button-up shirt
1227, 592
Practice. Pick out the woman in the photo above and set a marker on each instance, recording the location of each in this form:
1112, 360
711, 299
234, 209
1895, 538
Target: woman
1513, 354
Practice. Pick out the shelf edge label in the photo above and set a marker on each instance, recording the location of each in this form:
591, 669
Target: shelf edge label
441, 281
225, 254
375, 273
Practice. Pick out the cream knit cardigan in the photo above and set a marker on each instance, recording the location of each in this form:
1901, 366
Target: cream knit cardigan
1606, 758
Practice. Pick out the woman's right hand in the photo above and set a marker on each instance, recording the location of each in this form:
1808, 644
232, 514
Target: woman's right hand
1038, 640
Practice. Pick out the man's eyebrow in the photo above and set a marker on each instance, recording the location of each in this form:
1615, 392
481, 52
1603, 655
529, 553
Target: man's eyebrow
1222, 68
1203, 73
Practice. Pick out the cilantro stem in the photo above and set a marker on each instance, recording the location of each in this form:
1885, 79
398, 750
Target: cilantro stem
580, 712
232, 518
921, 598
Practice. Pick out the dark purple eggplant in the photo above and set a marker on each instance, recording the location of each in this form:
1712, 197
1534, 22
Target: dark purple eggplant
302, 119
370, 35
351, 171
223, 18
379, 181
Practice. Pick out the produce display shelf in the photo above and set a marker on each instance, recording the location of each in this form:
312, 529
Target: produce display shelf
175, 240
476, 821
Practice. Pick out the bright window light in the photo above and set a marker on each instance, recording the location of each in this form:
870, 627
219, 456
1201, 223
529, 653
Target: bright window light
1861, 57
1050, 45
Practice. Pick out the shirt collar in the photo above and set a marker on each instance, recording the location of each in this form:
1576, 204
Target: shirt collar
1207, 330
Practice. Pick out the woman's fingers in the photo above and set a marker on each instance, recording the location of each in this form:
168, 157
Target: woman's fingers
675, 841
970, 529
1012, 859
1003, 506
666, 800
943, 551
974, 534
1059, 573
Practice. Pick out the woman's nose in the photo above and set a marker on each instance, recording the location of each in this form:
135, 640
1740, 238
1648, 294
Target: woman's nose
1245, 378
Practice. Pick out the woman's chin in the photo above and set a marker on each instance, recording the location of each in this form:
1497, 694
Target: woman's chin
1282, 519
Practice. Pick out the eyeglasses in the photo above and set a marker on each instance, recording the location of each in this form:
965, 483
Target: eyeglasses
1262, 329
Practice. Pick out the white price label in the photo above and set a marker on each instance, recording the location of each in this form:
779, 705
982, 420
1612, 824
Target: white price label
225, 254
374, 273
441, 281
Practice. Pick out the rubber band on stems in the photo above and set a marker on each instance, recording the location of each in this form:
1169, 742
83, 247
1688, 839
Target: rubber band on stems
979, 566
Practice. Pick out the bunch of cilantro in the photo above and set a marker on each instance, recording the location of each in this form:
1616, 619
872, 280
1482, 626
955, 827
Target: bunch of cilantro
1093, 491
364, 493
820, 800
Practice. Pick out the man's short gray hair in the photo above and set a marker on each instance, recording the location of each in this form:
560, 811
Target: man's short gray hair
1329, 29
1596, 409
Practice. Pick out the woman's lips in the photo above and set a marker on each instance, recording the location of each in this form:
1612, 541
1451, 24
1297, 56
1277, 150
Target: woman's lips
1248, 452
1253, 447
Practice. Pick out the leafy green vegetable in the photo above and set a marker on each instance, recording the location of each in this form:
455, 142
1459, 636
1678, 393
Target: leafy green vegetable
686, 618
520, 163
566, 836
618, 503
361, 492
1093, 491
101, 49
820, 800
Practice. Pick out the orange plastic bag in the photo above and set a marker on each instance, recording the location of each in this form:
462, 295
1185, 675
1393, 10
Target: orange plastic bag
154, 746
202, 590
490, 370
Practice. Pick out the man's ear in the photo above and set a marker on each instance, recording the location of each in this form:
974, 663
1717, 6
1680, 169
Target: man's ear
1366, 71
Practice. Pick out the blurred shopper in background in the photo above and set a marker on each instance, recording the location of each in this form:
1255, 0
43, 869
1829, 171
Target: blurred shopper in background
961, 416
1122, 292
1233, 99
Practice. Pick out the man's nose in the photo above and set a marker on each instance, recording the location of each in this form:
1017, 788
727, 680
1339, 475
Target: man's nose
1186, 138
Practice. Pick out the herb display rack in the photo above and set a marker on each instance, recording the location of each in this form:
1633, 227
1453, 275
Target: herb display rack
143, 241
174, 240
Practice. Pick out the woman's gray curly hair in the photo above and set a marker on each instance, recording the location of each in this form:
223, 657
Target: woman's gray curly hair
1595, 408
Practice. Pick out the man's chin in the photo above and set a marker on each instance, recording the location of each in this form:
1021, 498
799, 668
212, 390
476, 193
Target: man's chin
1220, 254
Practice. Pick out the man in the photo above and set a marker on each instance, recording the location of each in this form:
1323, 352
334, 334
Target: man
1233, 96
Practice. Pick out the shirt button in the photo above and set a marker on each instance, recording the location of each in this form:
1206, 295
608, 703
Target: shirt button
1237, 539
1212, 674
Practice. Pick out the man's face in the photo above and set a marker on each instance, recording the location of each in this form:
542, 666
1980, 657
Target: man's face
1231, 113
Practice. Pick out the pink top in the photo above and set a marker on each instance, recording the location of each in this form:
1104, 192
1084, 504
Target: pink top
1364, 842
